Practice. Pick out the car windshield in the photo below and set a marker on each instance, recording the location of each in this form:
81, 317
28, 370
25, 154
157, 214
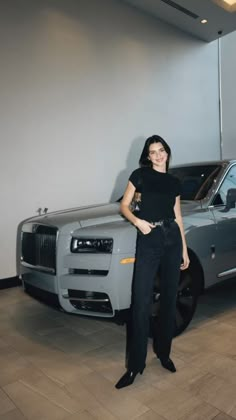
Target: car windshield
195, 180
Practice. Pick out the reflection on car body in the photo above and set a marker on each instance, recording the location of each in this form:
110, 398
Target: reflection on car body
85, 256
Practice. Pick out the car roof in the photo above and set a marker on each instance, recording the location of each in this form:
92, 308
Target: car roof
212, 162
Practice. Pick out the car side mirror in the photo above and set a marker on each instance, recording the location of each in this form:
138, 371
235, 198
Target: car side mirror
230, 200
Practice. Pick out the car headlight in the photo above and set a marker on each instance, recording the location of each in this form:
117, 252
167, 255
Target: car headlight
93, 245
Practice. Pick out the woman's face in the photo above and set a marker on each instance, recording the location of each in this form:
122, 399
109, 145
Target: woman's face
158, 156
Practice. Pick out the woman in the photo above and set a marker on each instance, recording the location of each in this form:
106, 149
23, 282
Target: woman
161, 246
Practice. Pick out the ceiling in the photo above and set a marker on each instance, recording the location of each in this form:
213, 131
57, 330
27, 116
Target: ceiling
187, 15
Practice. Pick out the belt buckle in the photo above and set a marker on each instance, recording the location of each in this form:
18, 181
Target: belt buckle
160, 223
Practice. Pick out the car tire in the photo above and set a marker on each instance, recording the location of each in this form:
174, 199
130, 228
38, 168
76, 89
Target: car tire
187, 297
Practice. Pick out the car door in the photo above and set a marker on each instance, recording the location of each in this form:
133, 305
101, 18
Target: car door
224, 212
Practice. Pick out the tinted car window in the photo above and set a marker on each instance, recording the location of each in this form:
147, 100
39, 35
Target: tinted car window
195, 180
228, 185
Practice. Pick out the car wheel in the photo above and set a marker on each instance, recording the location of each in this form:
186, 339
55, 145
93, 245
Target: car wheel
187, 297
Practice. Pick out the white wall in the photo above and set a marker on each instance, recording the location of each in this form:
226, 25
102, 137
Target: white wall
228, 71
82, 84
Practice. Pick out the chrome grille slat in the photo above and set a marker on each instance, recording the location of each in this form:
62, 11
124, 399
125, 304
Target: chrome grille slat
39, 248
39, 268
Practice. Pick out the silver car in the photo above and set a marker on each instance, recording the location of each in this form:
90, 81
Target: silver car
84, 257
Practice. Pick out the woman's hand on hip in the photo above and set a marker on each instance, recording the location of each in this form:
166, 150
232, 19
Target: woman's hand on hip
144, 226
185, 261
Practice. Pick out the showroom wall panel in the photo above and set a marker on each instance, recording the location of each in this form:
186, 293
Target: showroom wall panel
228, 88
83, 83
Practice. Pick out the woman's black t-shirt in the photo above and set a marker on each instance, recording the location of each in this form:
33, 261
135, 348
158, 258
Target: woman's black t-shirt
158, 192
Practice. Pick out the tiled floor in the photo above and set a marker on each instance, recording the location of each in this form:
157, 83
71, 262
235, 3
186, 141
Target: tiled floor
59, 366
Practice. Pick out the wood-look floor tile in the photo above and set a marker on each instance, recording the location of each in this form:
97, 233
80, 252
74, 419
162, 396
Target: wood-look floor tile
142, 391
13, 415
189, 378
225, 344
8, 354
83, 326
27, 306
41, 384
198, 339
102, 414
217, 364
182, 353
107, 367
71, 342
4, 317
99, 386
174, 403
27, 344
185, 348
105, 357
61, 368
107, 336
33, 405
3, 344
40, 324
8, 299
229, 318
85, 398
5, 327
112, 371
115, 401
56, 366
5, 403
215, 391
150, 415
213, 326
205, 360
83, 415
12, 366
203, 412
232, 412
223, 416
123, 406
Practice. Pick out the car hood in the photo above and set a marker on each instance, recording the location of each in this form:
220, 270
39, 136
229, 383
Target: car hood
82, 216
96, 215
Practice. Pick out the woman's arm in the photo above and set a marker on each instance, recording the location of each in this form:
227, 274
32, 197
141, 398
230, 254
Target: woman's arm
144, 226
179, 220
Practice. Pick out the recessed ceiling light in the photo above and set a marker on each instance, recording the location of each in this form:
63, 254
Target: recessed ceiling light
230, 2
228, 5
204, 21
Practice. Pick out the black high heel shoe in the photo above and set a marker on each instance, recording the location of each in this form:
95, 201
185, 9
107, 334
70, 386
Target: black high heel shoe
168, 364
127, 379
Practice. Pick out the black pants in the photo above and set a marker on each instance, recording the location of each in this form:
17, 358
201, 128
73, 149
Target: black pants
161, 249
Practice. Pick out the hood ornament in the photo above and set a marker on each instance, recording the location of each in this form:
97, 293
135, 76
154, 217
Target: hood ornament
40, 210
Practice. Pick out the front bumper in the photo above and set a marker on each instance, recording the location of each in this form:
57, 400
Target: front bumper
94, 295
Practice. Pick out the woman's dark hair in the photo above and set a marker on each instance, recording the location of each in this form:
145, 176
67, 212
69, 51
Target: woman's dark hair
144, 161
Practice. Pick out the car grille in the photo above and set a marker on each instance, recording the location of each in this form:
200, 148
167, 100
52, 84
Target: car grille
39, 248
